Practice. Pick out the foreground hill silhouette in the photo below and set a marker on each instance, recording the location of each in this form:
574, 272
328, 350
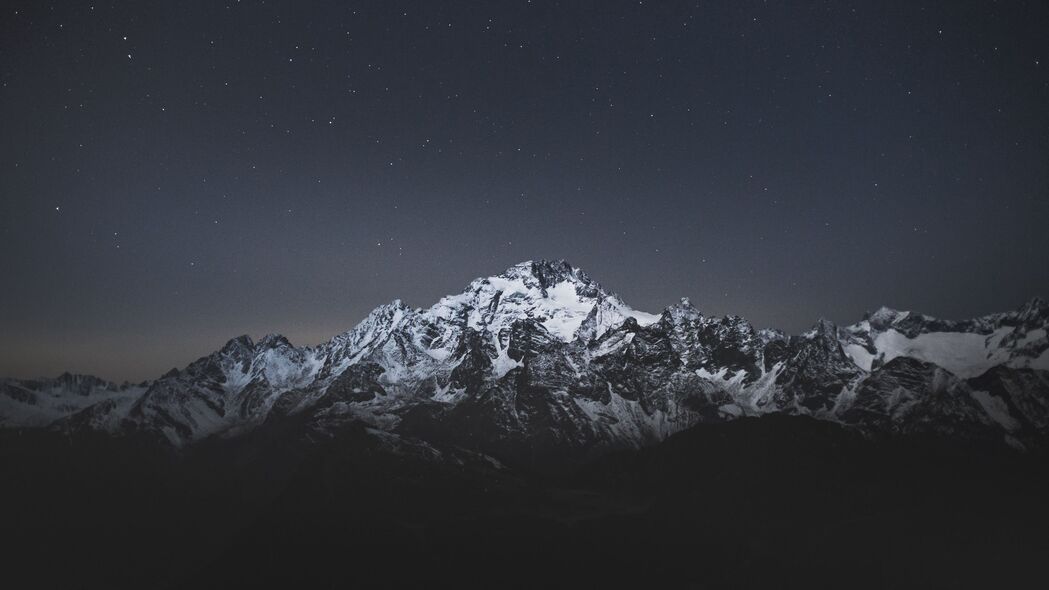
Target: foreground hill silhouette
746, 503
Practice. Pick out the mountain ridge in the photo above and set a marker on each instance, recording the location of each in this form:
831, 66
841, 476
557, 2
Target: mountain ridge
541, 357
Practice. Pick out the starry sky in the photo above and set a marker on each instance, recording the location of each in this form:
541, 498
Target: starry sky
178, 173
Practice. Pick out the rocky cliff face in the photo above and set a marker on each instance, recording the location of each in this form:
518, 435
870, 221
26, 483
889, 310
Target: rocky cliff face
540, 360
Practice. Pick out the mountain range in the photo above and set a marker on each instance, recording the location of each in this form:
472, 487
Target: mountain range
540, 362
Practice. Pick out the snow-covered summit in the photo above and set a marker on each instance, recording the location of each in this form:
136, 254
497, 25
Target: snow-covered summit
556, 294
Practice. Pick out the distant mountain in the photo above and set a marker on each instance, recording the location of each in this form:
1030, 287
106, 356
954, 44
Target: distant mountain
541, 361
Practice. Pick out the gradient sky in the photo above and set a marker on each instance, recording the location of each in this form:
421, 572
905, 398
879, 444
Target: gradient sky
178, 173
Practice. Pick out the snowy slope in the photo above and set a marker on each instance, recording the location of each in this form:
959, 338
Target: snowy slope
966, 348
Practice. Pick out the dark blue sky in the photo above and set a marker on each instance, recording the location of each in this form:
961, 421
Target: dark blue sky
178, 173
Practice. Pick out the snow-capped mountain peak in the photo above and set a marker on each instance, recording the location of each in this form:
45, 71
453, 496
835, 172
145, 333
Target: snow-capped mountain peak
541, 356
1035, 310
555, 294
372, 330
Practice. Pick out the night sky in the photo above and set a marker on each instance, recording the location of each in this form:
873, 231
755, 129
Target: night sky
178, 173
